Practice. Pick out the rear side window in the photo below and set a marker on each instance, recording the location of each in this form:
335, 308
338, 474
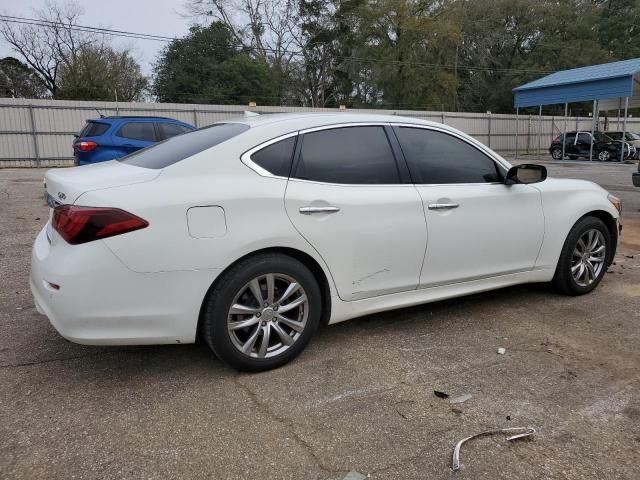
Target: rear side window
180, 147
138, 131
168, 130
276, 158
437, 158
94, 129
349, 155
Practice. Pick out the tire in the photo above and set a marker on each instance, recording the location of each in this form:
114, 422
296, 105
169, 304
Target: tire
556, 154
255, 323
604, 156
568, 268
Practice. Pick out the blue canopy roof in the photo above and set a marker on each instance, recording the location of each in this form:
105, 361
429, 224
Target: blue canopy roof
606, 81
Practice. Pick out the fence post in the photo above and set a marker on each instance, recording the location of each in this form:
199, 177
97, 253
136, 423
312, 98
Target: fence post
489, 129
34, 135
529, 134
443, 118
195, 118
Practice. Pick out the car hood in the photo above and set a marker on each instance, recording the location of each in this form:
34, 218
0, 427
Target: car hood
66, 185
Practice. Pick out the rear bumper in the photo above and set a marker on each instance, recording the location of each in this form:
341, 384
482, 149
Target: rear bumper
635, 177
102, 302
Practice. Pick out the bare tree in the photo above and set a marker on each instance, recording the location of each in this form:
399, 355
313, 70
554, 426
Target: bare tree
49, 43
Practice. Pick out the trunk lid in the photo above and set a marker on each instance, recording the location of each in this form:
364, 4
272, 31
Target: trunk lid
65, 185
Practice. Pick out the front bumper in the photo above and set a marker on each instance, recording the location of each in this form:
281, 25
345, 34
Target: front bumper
102, 302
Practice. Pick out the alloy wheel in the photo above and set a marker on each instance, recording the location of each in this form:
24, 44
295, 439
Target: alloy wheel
268, 315
588, 257
604, 156
556, 154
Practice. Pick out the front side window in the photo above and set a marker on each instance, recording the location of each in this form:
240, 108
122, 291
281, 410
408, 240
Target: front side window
276, 158
347, 155
138, 131
437, 158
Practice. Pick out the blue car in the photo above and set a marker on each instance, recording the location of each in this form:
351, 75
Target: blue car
107, 138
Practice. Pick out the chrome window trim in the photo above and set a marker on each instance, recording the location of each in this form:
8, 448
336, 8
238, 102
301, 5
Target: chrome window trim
481, 147
246, 156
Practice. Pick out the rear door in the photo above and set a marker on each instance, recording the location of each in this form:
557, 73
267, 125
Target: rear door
352, 201
134, 135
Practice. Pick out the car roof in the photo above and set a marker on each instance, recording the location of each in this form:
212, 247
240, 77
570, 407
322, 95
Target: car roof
305, 120
111, 119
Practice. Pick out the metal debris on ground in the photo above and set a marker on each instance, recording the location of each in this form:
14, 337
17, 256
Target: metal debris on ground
501, 351
440, 394
354, 476
460, 398
524, 432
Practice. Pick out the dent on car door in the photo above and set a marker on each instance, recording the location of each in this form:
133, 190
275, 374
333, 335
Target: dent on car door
477, 226
347, 198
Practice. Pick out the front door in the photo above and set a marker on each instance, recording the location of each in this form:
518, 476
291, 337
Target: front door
478, 227
346, 198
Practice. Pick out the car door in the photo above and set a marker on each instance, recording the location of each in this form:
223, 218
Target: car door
134, 135
478, 227
583, 144
351, 200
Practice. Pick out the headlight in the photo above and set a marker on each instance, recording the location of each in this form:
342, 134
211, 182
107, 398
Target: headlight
616, 202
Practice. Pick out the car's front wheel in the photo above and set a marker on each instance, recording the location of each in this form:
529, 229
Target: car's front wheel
262, 312
604, 156
585, 257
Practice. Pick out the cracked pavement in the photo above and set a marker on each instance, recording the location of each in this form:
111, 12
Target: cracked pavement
360, 398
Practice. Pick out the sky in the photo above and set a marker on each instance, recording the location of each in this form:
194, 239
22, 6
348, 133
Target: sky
158, 17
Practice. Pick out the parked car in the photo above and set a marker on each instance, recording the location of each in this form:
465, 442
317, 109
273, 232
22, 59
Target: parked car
629, 137
252, 233
578, 145
107, 138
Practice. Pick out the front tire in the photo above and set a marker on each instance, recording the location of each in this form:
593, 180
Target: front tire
262, 312
556, 154
585, 257
604, 156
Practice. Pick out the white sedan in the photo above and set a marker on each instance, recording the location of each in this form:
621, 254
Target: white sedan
252, 233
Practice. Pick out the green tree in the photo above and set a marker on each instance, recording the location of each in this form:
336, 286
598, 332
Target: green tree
18, 80
98, 72
208, 66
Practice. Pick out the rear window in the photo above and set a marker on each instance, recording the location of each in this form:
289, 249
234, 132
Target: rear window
180, 147
94, 129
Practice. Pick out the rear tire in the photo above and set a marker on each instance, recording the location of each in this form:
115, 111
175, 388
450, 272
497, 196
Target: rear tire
556, 154
585, 257
255, 335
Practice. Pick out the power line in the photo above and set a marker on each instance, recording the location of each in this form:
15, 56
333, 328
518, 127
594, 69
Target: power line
298, 53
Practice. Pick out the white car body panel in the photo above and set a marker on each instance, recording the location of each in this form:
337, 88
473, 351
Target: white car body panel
148, 286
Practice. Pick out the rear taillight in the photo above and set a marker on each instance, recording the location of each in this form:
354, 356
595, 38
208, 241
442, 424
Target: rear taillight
85, 224
85, 145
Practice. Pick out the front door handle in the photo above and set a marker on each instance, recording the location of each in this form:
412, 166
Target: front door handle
443, 206
312, 210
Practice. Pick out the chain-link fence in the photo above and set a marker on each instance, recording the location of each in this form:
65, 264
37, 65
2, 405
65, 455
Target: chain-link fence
37, 133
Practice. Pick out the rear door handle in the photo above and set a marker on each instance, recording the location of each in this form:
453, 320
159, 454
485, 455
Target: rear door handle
312, 210
443, 206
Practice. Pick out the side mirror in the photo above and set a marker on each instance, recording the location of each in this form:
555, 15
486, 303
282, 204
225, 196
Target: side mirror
526, 173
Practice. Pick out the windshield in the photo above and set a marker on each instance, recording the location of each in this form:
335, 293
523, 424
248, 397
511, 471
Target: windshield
632, 136
183, 146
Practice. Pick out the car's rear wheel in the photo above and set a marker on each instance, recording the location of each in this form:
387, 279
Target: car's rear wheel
262, 312
604, 156
584, 258
556, 153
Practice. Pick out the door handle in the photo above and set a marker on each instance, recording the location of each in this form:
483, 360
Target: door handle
443, 206
312, 210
